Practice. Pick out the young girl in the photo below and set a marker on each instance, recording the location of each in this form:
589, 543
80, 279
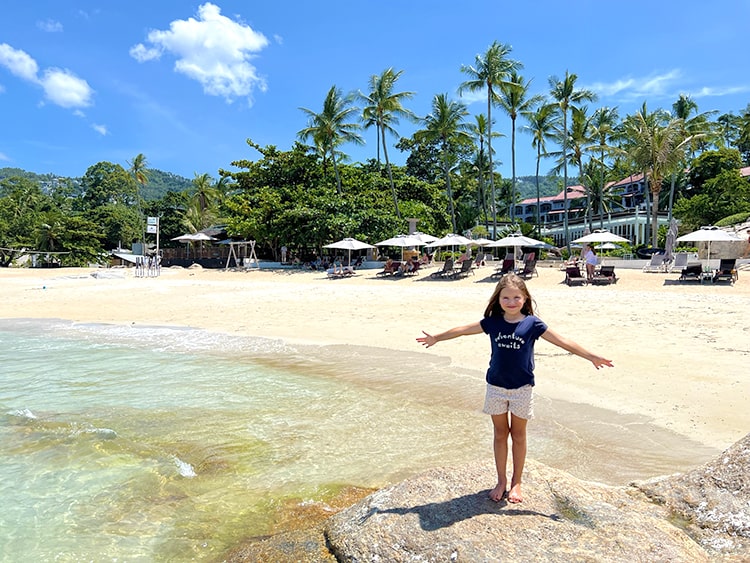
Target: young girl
512, 327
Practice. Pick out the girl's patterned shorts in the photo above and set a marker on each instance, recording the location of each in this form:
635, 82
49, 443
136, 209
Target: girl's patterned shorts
519, 402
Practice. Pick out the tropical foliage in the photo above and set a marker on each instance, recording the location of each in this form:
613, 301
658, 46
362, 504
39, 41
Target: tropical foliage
310, 195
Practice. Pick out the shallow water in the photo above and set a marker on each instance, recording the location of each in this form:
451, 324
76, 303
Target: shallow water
136, 443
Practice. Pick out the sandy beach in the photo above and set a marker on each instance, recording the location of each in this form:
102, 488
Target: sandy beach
680, 350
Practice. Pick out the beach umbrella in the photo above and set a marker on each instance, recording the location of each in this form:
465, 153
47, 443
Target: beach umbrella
450, 240
349, 244
481, 241
709, 234
670, 242
606, 246
600, 235
425, 238
402, 241
517, 239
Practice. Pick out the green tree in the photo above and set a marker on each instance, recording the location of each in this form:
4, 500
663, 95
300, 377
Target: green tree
446, 125
383, 109
330, 128
542, 123
514, 99
657, 144
491, 69
140, 175
565, 96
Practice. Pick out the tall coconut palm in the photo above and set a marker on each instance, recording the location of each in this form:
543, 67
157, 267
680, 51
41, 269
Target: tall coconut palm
542, 124
490, 70
140, 174
604, 130
479, 130
657, 144
383, 110
446, 126
565, 95
513, 99
330, 129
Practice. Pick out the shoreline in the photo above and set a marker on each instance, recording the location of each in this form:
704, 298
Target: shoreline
677, 348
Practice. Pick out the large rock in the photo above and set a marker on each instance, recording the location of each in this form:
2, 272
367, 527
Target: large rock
445, 515
712, 501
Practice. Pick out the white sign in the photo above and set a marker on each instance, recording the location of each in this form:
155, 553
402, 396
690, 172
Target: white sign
152, 221
151, 228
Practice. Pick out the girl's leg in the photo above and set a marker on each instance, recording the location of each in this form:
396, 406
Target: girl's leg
500, 447
518, 438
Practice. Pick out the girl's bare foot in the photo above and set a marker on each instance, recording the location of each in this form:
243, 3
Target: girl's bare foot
515, 495
498, 493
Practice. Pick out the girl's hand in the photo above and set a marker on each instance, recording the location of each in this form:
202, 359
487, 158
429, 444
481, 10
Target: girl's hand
600, 362
427, 340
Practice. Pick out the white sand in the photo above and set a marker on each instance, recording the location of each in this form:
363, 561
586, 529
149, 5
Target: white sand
680, 350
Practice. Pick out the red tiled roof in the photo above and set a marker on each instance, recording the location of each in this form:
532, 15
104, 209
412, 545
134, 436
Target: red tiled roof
573, 191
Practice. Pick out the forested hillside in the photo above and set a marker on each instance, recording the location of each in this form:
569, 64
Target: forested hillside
159, 182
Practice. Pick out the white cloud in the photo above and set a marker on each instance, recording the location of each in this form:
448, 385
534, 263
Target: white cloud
213, 49
61, 87
101, 129
65, 89
18, 62
4, 157
49, 25
633, 88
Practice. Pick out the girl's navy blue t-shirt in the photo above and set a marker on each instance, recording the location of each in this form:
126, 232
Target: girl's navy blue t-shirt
512, 360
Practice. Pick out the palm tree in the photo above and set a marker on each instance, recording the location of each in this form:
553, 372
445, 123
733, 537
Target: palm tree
657, 144
329, 128
604, 130
513, 100
140, 173
565, 95
383, 110
491, 70
445, 125
542, 124
479, 130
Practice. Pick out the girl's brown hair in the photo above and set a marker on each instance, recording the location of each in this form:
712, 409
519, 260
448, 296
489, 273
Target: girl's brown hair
509, 280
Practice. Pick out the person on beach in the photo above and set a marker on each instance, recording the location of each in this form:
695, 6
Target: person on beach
591, 261
513, 329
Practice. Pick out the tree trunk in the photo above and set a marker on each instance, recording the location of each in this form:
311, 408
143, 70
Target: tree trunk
390, 174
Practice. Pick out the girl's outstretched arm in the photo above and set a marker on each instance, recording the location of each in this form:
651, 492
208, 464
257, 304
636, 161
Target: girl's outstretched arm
430, 340
574, 348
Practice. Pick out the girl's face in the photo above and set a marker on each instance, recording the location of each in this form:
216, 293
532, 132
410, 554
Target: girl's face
512, 300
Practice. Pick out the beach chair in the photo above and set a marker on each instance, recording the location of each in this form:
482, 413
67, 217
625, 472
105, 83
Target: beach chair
529, 269
414, 268
506, 267
656, 264
573, 276
692, 272
447, 270
465, 269
605, 276
680, 261
389, 270
726, 271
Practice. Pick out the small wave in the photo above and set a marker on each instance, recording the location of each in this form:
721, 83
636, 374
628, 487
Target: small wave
184, 468
23, 413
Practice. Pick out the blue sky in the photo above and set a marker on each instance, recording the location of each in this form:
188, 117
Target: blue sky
186, 83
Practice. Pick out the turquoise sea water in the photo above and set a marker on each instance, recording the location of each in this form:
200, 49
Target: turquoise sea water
125, 443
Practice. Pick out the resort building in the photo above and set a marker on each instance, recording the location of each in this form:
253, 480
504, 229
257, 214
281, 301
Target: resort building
628, 218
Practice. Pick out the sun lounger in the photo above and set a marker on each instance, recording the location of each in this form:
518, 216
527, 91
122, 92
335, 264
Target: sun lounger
604, 276
529, 269
680, 261
505, 268
726, 271
464, 270
656, 264
573, 276
446, 271
692, 272
389, 270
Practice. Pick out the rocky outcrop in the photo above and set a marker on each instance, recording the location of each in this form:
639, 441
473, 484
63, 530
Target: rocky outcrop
445, 515
712, 501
